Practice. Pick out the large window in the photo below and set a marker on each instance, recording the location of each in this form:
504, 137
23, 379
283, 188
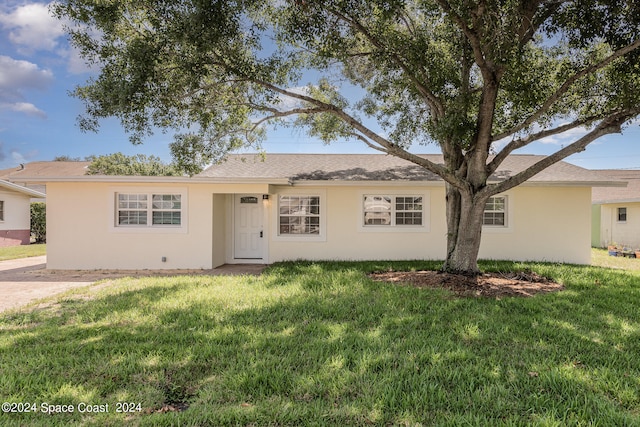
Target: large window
389, 211
495, 212
148, 210
1, 210
298, 215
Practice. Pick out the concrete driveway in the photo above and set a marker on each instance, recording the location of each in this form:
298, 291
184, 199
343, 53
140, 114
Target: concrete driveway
22, 281
26, 279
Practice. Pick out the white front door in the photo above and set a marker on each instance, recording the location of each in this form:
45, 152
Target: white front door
248, 235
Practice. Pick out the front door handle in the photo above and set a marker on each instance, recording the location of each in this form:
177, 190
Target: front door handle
261, 233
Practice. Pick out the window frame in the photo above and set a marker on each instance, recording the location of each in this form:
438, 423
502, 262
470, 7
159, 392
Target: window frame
504, 211
321, 215
149, 226
619, 213
305, 208
393, 209
1, 210
393, 227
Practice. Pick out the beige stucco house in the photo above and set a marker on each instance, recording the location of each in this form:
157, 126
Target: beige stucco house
314, 207
616, 210
15, 213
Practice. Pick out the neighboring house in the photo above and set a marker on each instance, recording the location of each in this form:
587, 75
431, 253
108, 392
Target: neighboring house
314, 207
50, 169
616, 211
15, 213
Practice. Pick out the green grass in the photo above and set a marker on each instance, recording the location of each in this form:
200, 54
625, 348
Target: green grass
22, 251
601, 258
321, 344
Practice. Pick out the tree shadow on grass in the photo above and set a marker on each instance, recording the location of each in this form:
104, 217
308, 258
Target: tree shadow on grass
337, 349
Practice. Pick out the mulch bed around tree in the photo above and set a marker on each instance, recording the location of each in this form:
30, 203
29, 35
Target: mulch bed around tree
492, 285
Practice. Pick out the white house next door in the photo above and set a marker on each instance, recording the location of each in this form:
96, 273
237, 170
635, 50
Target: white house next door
248, 233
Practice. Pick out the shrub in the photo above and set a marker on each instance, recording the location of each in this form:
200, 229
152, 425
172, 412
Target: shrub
39, 221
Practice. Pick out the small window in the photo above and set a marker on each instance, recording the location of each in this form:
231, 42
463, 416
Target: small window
386, 210
495, 212
1, 210
299, 215
622, 214
148, 210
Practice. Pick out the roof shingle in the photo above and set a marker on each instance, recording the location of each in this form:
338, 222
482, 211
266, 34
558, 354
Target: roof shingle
45, 169
374, 167
630, 193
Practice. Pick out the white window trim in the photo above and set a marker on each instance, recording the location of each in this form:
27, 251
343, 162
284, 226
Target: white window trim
275, 216
112, 216
508, 217
426, 209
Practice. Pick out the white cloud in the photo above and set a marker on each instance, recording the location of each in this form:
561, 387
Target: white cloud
28, 108
16, 76
22, 157
18, 157
32, 28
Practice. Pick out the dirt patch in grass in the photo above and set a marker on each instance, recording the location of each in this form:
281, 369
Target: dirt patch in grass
492, 285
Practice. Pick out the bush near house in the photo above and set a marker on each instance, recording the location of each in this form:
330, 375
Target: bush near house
39, 221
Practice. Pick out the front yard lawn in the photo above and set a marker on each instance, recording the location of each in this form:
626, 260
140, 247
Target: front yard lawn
322, 344
22, 251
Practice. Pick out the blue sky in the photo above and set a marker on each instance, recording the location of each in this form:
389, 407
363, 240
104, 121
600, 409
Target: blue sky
38, 118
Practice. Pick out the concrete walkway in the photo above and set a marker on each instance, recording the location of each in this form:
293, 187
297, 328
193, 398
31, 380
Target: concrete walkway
26, 279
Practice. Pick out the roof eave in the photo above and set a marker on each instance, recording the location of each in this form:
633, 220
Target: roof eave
614, 201
287, 181
159, 179
576, 183
333, 183
21, 189
363, 183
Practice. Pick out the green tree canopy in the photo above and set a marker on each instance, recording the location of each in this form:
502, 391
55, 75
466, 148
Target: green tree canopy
479, 78
121, 164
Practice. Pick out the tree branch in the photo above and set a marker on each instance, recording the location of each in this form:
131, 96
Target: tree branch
531, 23
611, 124
433, 101
522, 142
369, 144
472, 37
384, 144
277, 113
565, 88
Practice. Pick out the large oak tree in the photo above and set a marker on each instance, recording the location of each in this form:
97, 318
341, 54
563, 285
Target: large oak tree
479, 78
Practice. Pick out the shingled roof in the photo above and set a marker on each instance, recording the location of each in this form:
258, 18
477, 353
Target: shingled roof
23, 175
44, 169
630, 193
379, 167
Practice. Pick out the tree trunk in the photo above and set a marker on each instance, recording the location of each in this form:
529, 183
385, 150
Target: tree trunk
464, 230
